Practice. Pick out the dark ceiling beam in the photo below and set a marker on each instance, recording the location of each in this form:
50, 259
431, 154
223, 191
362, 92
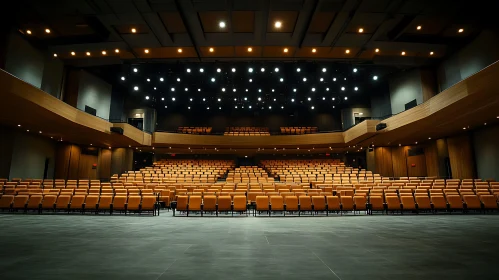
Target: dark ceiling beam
261, 21
341, 22
229, 5
401, 27
154, 22
192, 24
307, 13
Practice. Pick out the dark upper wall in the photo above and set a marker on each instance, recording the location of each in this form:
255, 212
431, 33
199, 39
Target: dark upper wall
324, 121
404, 88
380, 104
475, 56
486, 152
95, 93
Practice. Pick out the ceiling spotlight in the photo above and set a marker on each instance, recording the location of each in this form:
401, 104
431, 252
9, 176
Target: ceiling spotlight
292, 100
429, 138
312, 107
309, 99
161, 79
207, 108
219, 70
346, 98
294, 90
282, 107
162, 99
246, 98
314, 50
235, 107
188, 70
47, 30
186, 89
333, 98
250, 70
403, 53
154, 88
272, 90
133, 30
259, 90
281, 79
146, 50
204, 99
122, 78
117, 50
250, 80
173, 98
221, 24
28, 32
419, 27
347, 51
323, 98
219, 108
276, 69
199, 89
361, 30
355, 70
234, 90
148, 80
250, 49
233, 69
19, 125
321, 79
313, 89
201, 70
179, 50
190, 99
104, 52
334, 79
285, 50
343, 88
178, 79
304, 79
259, 99
213, 79
73, 53
219, 100
277, 24
464, 128
223, 89
275, 100
461, 30
270, 107
147, 97
135, 70
298, 69
431, 53
166, 107
356, 88
211, 50
136, 88
172, 89
327, 89
88, 53
262, 69
189, 107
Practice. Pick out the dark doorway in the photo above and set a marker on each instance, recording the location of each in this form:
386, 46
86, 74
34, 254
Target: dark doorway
137, 122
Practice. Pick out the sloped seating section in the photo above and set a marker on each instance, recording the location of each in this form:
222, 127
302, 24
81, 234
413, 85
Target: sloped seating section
247, 131
79, 196
177, 171
194, 130
247, 174
297, 130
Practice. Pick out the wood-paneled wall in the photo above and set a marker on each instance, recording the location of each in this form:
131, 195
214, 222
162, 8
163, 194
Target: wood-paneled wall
395, 162
416, 166
432, 161
383, 161
399, 161
461, 157
67, 161
85, 167
104, 164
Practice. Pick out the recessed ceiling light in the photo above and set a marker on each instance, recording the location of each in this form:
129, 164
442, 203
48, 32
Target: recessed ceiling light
233, 69
219, 100
148, 80
429, 138
207, 108
355, 70
313, 89
146, 50
28, 32
282, 107
327, 89
40, 131
135, 88
186, 89
199, 89
343, 88
281, 79
165, 108
249, 106
161, 79
312, 107
250, 80
375, 78
356, 88
27, 130
376, 50
276, 69
133, 30
88, 53
403, 53
178, 79
47, 30
172, 89
321, 79
323, 98
361, 30
213, 79
304, 79
162, 99
259, 90
309, 99
250, 70
147, 97
292, 100
73, 53
333, 98
173, 98
189, 107
484, 123
285, 50
190, 99
221, 24
259, 99
277, 24
270, 107
250, 49
117, 50
179, 50
246, 98
272, 90
223, 89
347, 51
234, 90
346, 98
461, 30
416, 142
204, 99
135, 70
334, 79
294, 90
262, 69
219, 108
235, 107
122, 78
104, 52
275, 100
19, 125
431, 53
314, 50
201, 70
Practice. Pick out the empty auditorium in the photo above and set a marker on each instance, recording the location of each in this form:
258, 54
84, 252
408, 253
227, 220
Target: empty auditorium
249, 139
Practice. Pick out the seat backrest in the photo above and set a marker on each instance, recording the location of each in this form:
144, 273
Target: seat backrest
91, 201
6, 201
20, 201
148, 202
319, 202
119, 202
210, 202
305, 202
262, 202
472, 201
291, 202
133, 202
182, 201
195, 202
239, 202
277, 202
49, 201
224, 203
77, 201
333, 202
34, 201
346, 202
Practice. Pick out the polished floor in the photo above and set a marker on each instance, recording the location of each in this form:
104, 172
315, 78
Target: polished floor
348, 247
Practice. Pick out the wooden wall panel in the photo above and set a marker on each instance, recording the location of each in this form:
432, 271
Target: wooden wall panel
74, 162
121, 160
85, 168
383, 161
416, 166
431, 158
104, 164
399, 155
461, 157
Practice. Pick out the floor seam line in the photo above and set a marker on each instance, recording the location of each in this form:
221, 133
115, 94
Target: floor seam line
325, 265
166, 269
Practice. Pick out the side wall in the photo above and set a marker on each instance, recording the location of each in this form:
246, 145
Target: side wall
95, 93
486, 151
404, 88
